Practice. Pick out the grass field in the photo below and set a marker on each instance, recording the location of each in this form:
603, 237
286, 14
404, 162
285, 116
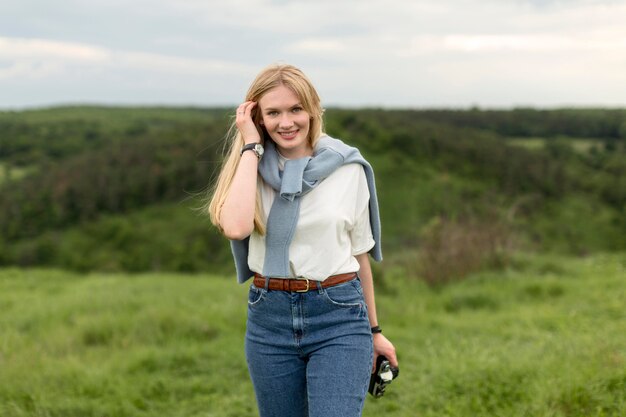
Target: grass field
13, 173
578, 144
545, 338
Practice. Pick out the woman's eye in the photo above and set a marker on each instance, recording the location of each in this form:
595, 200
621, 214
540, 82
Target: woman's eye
296, 109
272, 113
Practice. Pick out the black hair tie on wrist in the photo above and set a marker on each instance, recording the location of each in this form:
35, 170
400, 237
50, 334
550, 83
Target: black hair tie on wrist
376, 329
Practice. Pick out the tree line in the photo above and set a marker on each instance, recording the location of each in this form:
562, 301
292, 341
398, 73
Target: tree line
94, 162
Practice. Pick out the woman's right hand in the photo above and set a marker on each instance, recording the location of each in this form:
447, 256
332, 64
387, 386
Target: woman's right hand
245, 124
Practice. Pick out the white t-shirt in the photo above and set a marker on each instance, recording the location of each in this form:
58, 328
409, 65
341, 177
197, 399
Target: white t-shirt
333, 226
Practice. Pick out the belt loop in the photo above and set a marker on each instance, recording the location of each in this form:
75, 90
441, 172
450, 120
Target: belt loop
267, 283
319, 286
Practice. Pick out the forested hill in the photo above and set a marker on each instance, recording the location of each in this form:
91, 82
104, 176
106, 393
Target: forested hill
608, 124
114, 188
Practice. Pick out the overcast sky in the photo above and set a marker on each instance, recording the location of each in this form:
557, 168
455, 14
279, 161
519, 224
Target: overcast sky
391, 53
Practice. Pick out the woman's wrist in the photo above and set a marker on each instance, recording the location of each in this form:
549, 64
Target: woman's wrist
376, 329
251, 138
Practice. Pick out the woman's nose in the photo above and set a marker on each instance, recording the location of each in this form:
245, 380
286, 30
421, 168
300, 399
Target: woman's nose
285, 121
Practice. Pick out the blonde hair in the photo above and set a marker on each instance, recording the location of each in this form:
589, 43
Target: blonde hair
269, 78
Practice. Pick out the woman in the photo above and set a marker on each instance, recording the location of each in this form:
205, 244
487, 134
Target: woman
301, 212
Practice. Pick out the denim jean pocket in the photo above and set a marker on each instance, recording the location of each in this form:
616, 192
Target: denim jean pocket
347, 295
255, 295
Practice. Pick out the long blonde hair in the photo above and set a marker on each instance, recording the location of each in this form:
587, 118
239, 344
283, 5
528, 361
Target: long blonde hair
269, 78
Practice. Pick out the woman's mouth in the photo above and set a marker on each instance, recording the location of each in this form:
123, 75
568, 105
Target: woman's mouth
288, 135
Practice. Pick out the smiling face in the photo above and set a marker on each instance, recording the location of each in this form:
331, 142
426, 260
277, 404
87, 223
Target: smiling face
286, 121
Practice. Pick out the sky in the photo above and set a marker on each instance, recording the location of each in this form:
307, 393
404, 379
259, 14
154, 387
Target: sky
358, 53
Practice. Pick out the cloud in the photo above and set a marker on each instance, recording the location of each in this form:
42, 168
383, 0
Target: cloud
179, 65
422, 29
533, 43
42, 48
408, 52
36, 58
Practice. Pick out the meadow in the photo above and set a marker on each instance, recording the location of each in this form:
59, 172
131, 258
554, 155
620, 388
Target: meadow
544, 337
503, 285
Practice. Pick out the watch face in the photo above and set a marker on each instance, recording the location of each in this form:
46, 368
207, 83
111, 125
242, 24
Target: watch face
258, 148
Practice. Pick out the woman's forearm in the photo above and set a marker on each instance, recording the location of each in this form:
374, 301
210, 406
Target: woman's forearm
237, 214
367, 282
382, 346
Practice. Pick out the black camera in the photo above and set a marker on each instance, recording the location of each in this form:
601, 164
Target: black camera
384, 374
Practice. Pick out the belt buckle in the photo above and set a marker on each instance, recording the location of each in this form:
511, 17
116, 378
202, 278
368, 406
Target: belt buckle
307, 284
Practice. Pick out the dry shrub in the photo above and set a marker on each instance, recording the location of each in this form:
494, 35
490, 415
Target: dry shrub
452, 249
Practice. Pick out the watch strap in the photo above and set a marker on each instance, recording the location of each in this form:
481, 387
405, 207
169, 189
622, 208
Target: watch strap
250, 147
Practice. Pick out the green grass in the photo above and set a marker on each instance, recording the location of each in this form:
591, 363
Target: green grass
581, 145
13, 173
547, 338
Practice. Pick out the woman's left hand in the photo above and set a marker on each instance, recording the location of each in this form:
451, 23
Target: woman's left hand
382, 346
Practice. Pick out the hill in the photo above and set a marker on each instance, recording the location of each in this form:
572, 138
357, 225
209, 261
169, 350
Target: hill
110, 188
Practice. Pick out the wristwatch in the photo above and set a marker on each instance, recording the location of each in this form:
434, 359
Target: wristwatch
256, 147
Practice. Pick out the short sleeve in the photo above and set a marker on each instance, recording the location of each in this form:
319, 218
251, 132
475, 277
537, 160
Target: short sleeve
361, 235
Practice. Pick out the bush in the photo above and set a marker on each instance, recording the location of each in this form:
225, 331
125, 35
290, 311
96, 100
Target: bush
452, 249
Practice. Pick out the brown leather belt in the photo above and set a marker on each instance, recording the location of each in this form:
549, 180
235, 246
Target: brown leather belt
301, 284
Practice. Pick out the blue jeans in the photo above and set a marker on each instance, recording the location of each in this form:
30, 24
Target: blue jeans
309, 354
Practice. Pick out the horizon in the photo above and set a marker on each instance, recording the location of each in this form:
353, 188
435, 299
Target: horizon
182, 106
